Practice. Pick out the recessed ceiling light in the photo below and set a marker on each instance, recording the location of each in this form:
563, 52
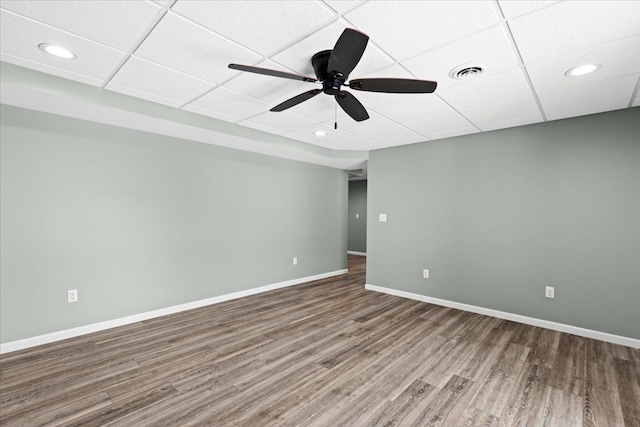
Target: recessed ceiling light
57, 51
319, 133
581, 70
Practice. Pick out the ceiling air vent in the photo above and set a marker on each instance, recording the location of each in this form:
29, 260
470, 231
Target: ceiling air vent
467, 71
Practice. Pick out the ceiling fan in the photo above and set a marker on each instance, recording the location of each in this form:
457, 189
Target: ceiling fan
332, 69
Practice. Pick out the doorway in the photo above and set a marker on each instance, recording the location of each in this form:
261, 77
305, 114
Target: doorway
357, 221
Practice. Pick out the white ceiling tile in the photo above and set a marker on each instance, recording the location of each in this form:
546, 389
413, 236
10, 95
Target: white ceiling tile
184, 46
406, 141
21, 62
407, 28
209, 113
617, 58
118, 24
511, 109
321, 107
226, 102
590, 98
572, 25
272, 90
263, 26
20, 37
489, 48
183, 59
143, 95
371, 145
583, 110
510, 122
414, 108
320, 142
342, 6
514, 8
491, 89
381, 129
259, 126
333, 138
377, 128
298, 56
156, 80
454, 132
278, 122
433, 125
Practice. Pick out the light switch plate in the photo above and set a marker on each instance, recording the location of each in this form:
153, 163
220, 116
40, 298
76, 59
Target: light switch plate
383, 217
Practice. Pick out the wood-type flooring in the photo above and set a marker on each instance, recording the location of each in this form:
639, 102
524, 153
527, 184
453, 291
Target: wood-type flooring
326, 353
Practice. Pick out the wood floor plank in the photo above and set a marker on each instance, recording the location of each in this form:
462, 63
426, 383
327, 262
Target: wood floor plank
474, 417
545, 348
327, 352
628, 388
64, 414
446, 363
486, 354
601, 407
495, 391
398, 410
441, 410
526, 404
631, 422
569, 370
561, 409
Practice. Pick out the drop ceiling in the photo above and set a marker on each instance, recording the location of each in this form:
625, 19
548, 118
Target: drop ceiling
175, 53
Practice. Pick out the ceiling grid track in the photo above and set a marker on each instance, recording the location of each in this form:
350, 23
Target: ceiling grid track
176, 54
262, 57
161, 14
399, 64
516, 51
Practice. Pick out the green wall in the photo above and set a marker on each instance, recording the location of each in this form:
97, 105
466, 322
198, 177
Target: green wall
357, 237
138, 222
497, 216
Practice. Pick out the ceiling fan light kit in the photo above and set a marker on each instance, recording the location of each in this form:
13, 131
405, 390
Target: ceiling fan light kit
332, 69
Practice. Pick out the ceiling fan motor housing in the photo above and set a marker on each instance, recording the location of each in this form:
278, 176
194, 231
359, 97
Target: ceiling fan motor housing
331, 83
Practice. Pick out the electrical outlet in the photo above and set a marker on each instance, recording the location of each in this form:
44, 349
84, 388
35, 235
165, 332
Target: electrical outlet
72, 295
295, 260
425, 274
550, 292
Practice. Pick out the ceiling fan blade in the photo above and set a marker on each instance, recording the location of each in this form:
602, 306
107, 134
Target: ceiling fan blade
352, 106
389, 85
296, 100
347, 52
269, 72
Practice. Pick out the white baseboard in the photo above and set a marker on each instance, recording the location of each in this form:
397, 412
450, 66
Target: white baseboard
575, 330
357, 253
101, 326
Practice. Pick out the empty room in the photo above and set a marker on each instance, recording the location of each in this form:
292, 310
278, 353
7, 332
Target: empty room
320, 213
